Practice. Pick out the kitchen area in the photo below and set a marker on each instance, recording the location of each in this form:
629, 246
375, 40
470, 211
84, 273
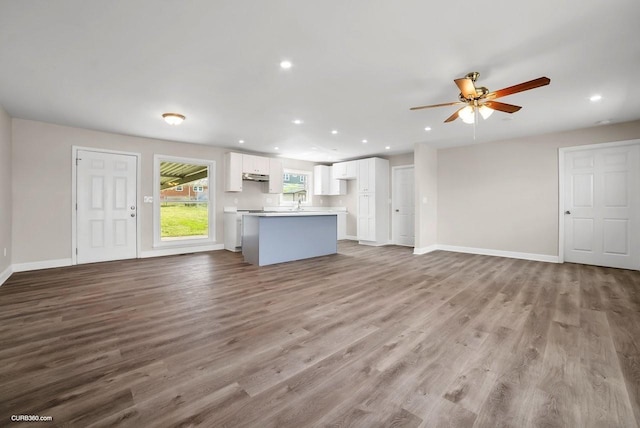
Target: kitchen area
270, 220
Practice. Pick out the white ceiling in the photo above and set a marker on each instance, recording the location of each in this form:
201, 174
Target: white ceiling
358, 67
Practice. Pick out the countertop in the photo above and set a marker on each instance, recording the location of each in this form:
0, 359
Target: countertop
292, 213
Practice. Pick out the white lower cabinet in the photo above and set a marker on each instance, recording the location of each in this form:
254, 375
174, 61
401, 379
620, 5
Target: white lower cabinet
367, 217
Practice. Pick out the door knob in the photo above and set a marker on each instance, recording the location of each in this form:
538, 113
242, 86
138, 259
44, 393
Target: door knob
397, 211
567, 212
133, 215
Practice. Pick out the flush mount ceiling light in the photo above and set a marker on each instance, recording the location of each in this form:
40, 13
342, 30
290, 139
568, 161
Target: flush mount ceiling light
173, 118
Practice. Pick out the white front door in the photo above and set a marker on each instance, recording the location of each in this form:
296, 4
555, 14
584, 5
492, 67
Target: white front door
602, 206
106, 206
403, 206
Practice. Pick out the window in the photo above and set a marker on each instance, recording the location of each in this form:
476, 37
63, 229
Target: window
183, 208
296, 186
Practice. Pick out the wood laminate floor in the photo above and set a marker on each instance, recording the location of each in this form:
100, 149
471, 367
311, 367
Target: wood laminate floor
368, 337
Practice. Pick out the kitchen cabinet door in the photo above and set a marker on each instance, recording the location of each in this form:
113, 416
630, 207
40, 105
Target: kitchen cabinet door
233, 172
275, 176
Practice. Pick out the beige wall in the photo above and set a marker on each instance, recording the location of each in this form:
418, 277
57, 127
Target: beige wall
41, 161
504, 195
5, 191
427, 198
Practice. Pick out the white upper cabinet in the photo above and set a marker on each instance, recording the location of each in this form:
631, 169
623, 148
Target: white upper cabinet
320, 180
367, 175
345, 170
325, 184
275, 175
255, 165
336, 187
233, 172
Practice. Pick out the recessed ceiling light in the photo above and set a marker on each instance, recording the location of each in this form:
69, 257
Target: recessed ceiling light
241, 141
334, 132
173, 118
276, 148
297, 121
595, 98
364, 141
387, 147
428, 128
286, 65
604, 122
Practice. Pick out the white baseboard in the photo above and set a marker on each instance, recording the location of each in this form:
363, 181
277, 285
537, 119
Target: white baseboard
499, 253
182, 250
351, 237
5, 274
45, 264
425, 250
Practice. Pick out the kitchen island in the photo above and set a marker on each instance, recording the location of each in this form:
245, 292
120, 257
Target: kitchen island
277, 237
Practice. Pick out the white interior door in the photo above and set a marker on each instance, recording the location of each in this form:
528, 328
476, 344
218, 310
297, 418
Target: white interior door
403, 206
602, 206
106, 206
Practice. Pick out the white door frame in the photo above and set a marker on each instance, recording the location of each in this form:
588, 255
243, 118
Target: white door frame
74, 196
561, 189
393, 195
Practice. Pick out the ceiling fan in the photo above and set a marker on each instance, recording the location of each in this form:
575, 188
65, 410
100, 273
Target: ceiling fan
479, 100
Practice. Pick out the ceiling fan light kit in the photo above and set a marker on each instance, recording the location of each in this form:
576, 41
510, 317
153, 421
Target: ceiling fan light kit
474, 100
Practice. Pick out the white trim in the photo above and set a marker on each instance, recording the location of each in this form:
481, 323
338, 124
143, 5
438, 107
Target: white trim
393, 197
211, 165
74, 200
351, 237
499, 253
310, 189
44, 264
6, 274
561, 189
425, 250
374, 243
182, 250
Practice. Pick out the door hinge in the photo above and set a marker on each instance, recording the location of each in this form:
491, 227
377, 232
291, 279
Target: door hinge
76, 251
76, 207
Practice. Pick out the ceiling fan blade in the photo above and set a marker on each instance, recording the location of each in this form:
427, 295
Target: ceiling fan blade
436, 105
531, 84
454, 116
507, 108
467, 88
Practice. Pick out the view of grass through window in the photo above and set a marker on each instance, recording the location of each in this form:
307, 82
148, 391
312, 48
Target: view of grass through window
184, 201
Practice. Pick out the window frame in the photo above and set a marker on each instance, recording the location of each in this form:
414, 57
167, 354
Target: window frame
308, 183
211, 175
